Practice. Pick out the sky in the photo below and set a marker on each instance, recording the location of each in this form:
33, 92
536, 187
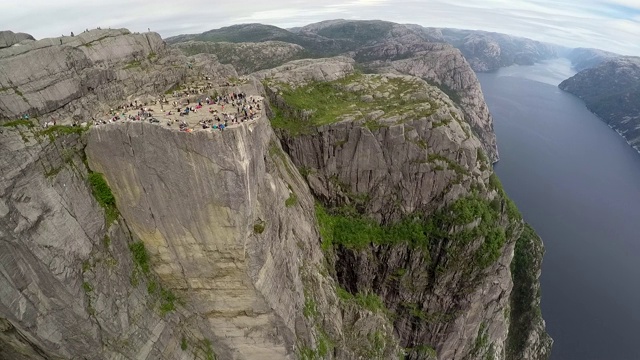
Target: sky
612, 25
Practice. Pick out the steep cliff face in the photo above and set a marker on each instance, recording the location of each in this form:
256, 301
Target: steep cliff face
67, 286
409, 211
369, 227
611, 90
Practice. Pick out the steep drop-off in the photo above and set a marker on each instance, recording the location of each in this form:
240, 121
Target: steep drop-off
369, 225
409, 210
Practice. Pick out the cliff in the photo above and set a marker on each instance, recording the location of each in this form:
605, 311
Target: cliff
411, 49
611, 90
408, 209
368, 225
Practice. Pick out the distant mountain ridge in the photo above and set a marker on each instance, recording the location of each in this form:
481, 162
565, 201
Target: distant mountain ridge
485, 51
611, 90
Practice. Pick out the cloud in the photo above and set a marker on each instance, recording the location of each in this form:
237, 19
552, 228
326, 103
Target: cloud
607, 24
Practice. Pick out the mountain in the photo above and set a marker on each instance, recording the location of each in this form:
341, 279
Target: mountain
357, 217
611, 90
487, 51
246, 57
583, 58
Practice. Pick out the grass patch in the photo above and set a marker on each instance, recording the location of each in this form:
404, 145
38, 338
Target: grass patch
133, 64
152, 56
58, 130
343, 227
183, 343
291, 200
167, 301
102, 193
19, 122
140, 256
365, 300
258, 228
87, 287
320, 103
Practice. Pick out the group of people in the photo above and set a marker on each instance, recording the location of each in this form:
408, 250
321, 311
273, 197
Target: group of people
239, 106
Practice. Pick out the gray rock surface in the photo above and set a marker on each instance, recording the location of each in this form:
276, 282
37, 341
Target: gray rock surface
442, 65
411, 165
76, 78
611, 90
9, 38
235, 264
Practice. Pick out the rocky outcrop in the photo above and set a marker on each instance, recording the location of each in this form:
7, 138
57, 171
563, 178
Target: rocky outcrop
60, 78
486, 51
246, 57
444, 66
75, 78
373, 168
582, 58
611, 90
9, 38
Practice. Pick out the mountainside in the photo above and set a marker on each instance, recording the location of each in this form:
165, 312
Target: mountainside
486, 51
246, 57
353, 216
611, 90
582, 58
372, 44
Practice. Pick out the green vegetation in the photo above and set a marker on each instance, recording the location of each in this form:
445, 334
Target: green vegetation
152, 56
133, 64
356, 232
19, 122
310, 308
291, 200
183, 343
207, 349
432, 158
140, 256
106, 241
524, 302
87, 287
365, 300
104, 196
344, 227
167, 301
258, 228
58, 130
322, 103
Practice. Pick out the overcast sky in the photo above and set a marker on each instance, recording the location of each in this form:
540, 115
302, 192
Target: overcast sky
612, 25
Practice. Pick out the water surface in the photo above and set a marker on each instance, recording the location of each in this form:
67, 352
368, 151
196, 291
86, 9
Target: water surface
578, 183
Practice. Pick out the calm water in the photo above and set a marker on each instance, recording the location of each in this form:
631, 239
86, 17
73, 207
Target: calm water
578, 183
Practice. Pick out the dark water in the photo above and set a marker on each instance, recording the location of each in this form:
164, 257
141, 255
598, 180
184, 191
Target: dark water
578, 183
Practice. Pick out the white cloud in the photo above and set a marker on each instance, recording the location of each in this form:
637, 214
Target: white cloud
612, 25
